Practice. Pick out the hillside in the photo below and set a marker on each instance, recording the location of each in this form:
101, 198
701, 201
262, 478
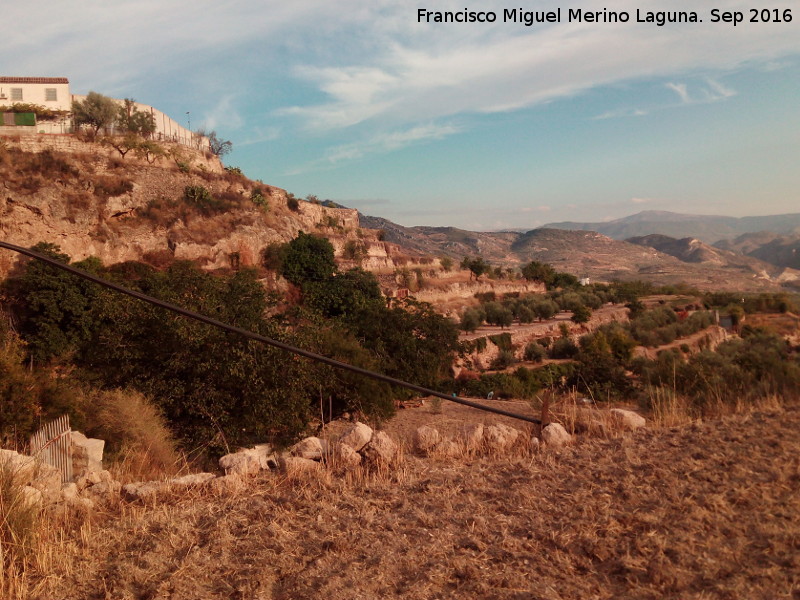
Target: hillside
708, 228
692, 250
699, 511
780, 250
91, 202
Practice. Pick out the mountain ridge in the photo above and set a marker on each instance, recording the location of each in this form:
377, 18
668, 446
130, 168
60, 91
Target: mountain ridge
707, 228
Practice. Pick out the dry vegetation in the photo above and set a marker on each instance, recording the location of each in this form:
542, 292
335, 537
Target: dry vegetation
708, 510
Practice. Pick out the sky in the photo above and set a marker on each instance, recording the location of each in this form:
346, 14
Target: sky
482, 126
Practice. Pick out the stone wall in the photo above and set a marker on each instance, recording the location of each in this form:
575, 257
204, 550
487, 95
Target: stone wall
73, 144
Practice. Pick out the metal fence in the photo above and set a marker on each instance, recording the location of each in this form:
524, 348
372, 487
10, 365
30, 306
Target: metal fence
51, 444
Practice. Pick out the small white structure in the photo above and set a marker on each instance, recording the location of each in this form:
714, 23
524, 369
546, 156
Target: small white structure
54, 93
584, 281
51, 92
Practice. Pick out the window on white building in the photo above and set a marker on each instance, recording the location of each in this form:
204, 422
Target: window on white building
16, 94
50, 95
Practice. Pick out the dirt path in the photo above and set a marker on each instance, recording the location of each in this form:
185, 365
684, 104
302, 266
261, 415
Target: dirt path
707, 511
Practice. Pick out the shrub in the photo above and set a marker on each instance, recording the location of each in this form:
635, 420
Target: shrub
292, 203
136, 433
354, 250
259, 200
308, 258
471, 319
504, 360
535, 352
563, 348
106, 186
198, 196
501, 340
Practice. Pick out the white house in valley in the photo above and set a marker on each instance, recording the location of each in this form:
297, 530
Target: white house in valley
54, 93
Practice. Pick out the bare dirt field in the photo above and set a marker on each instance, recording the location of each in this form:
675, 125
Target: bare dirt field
709, 510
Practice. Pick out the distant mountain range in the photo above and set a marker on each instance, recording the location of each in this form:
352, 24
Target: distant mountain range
658, 258
707, 228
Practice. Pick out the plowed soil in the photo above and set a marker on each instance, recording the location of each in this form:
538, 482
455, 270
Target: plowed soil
709, 510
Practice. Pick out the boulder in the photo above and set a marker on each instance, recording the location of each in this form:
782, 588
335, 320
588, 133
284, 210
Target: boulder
500, 437
31, 496
69, 492
191, 480
105, 489
149, 489
472, 436
342, 455
142, 491
627, 419
381, 448
555, 436
227, 483
311, 447
47, 479
357, 436
249, 461
87, 453
21, 466
448, 449
426, 439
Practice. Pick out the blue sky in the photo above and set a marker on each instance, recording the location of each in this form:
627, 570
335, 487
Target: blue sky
480, 126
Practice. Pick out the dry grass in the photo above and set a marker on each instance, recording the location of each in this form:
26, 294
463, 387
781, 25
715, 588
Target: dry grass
708, 510
19, 532
139, 439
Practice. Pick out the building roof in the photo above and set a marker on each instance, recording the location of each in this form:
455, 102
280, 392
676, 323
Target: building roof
34, 80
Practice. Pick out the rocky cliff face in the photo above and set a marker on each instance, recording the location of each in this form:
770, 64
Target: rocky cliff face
91, 203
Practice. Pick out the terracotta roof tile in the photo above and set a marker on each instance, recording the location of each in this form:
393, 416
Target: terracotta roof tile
34, 80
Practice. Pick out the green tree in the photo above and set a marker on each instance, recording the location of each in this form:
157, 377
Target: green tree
538, 271
53, 307
476, 265
308, 259
472, 319
581, 314
131, 120
343, 294
96, 111
214, 387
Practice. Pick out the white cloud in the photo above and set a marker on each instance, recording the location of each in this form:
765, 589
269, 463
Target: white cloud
379, 143
681, 90
388, 141
719, 91
640, 200
621, 113
222, 113
426, 71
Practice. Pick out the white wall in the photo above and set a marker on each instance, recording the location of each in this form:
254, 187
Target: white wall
167, 128
33, 91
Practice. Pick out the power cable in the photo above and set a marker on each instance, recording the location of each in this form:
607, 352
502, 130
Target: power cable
260, 338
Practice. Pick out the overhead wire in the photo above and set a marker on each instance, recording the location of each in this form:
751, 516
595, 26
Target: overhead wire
260, 338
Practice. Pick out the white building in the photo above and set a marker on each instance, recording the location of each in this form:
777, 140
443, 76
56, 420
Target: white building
53, 93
